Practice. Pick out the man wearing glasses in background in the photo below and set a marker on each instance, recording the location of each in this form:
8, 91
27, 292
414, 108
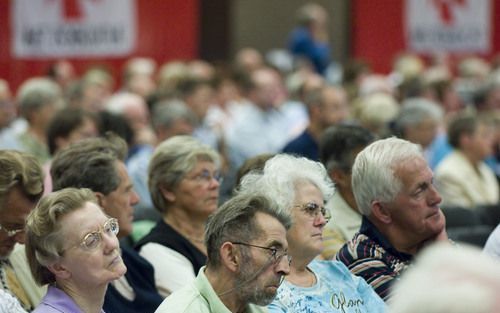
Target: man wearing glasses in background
21, 186
247, 260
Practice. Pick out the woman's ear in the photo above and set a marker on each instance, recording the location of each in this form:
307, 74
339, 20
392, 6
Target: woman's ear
59, 270
167, 194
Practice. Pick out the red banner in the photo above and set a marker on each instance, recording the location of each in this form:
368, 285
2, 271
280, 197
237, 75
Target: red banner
162, 30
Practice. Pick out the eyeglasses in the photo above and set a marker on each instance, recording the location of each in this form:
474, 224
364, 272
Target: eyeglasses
276, 255
313, 210
93, 240
206, 177
11, 232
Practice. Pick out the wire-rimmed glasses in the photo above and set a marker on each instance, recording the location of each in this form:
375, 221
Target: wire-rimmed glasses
93, 240
205, 176
313, 210
276, 254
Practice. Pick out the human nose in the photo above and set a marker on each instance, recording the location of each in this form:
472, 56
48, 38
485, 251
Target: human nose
435, 197
110, 242
283, 266
320, 219
134, 198
214, 181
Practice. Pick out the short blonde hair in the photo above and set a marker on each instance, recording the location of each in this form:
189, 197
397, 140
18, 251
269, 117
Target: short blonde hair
44, 241
20, 169
171, 161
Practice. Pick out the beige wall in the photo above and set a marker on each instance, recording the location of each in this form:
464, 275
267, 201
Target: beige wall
265, 24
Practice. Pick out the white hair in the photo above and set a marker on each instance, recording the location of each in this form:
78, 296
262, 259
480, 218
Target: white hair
416, 110
447, 278
373, 172
280, 176
118, 103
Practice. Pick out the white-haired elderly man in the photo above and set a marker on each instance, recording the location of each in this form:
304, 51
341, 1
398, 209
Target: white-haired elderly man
393, 187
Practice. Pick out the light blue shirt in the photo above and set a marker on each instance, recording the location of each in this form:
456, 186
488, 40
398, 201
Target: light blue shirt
336, 290
255, 131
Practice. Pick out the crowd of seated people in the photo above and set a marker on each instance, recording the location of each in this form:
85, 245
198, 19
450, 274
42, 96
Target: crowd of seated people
388, 157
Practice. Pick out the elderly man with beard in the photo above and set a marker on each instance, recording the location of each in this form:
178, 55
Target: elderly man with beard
247, 260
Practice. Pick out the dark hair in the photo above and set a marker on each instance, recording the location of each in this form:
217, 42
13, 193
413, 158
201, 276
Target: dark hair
64, 123
116, 123
339, 143
90, 163
465, 123
254, 163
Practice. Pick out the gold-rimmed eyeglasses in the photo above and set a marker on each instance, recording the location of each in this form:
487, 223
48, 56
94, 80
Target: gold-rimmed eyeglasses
313, 210
93, 240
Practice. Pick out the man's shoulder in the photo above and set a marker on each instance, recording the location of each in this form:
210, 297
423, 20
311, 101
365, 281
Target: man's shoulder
185, 300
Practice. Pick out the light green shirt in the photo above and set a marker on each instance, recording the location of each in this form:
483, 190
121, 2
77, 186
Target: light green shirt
199, 297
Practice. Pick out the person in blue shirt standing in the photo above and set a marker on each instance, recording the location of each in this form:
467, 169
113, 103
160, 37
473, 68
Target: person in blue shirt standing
309, 40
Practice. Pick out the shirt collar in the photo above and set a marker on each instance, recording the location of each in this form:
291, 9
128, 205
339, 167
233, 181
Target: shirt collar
373, 233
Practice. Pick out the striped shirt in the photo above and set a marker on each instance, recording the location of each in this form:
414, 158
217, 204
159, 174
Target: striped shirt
370, 255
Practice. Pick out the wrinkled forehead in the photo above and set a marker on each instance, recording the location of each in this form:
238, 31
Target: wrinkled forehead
412, 171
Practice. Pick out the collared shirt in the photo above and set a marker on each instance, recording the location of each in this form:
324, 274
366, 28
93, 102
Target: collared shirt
370, 255
199, 297
57, 301
460, 183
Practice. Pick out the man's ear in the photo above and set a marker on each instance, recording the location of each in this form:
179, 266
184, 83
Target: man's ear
230, 257
100, 198
339, 177
380, 212
59, 270
167, 194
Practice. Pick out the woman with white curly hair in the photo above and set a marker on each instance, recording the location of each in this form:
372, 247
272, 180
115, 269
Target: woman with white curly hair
301, 188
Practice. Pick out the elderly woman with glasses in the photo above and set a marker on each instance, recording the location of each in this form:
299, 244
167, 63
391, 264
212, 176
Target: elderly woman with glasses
72, 246
184, 185
301, 187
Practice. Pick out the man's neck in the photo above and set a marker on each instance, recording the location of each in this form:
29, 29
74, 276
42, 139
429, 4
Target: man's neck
225, 289
396, 239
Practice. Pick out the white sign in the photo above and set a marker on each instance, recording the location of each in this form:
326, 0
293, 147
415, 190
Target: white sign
73, 28
448, 25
